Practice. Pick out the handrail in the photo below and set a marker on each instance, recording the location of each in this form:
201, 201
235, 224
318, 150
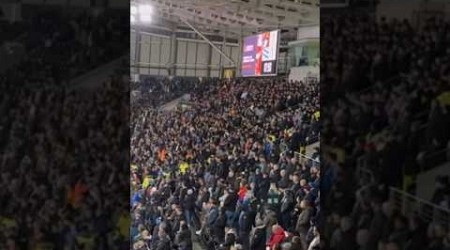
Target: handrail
426, 210
306, 157
434, 158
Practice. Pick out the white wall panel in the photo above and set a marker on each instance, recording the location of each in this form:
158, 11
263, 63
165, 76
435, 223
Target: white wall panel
308, 32
215, 57
144, 71
180, 72
191, 52
155, 49
163, 72
202, 54
132, 46
190, 72
235, 52
181, 51
145, 49
227, 52
214, 73
165, 50
154, 72
201, 72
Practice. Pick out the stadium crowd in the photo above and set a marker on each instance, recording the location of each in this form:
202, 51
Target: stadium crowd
56, 145
60, 47
390, 84
225, 168
156, 91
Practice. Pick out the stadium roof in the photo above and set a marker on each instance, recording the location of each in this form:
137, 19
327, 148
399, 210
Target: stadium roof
234, 18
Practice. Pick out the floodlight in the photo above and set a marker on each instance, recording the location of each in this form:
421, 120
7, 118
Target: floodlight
133, 10
145, 18
145, 9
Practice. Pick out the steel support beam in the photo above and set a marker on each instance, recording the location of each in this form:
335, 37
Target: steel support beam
208, 41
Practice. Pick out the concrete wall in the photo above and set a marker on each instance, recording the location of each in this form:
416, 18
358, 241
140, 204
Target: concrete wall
154, 54
308, 33
300, 73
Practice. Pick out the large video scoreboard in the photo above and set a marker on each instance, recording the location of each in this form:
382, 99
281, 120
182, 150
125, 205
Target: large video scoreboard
260, 54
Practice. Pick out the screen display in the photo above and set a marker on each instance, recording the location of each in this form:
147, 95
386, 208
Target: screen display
260, 54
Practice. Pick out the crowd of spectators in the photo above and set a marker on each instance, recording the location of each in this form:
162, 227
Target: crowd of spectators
61, 46
390, 86
156, 91
60, 144
225, 169
10, 31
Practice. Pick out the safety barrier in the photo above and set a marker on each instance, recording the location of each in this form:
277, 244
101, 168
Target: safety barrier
307, 160
409, 204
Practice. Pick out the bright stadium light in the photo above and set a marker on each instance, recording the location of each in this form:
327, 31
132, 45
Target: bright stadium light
145, 13
145, 10
133, 10
145, 18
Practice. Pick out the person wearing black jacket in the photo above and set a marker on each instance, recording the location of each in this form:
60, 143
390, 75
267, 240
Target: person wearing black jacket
163, 241
246, 220
263, 187
258, 236
219, 227
183, 238
230, 205
287, 207
189, 207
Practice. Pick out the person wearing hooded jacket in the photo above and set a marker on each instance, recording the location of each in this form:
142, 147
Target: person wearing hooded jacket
287, 207
258, 236
303, 221
183, 238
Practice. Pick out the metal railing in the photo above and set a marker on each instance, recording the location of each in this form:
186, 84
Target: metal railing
409, 204
307, 160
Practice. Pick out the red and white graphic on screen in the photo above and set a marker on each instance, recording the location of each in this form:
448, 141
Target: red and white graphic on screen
263, 41
266, 46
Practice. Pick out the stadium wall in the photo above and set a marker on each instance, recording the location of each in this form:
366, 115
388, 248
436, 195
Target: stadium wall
154, 54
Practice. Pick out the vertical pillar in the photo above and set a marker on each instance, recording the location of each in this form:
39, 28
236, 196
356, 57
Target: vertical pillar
173, 53
137, 51
208, 73
221, 66
239, 62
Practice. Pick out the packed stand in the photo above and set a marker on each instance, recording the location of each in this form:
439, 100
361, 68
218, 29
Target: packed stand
58, 146
389, 80
10, 31
61, 46
226, 170
50, 178
157, 91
